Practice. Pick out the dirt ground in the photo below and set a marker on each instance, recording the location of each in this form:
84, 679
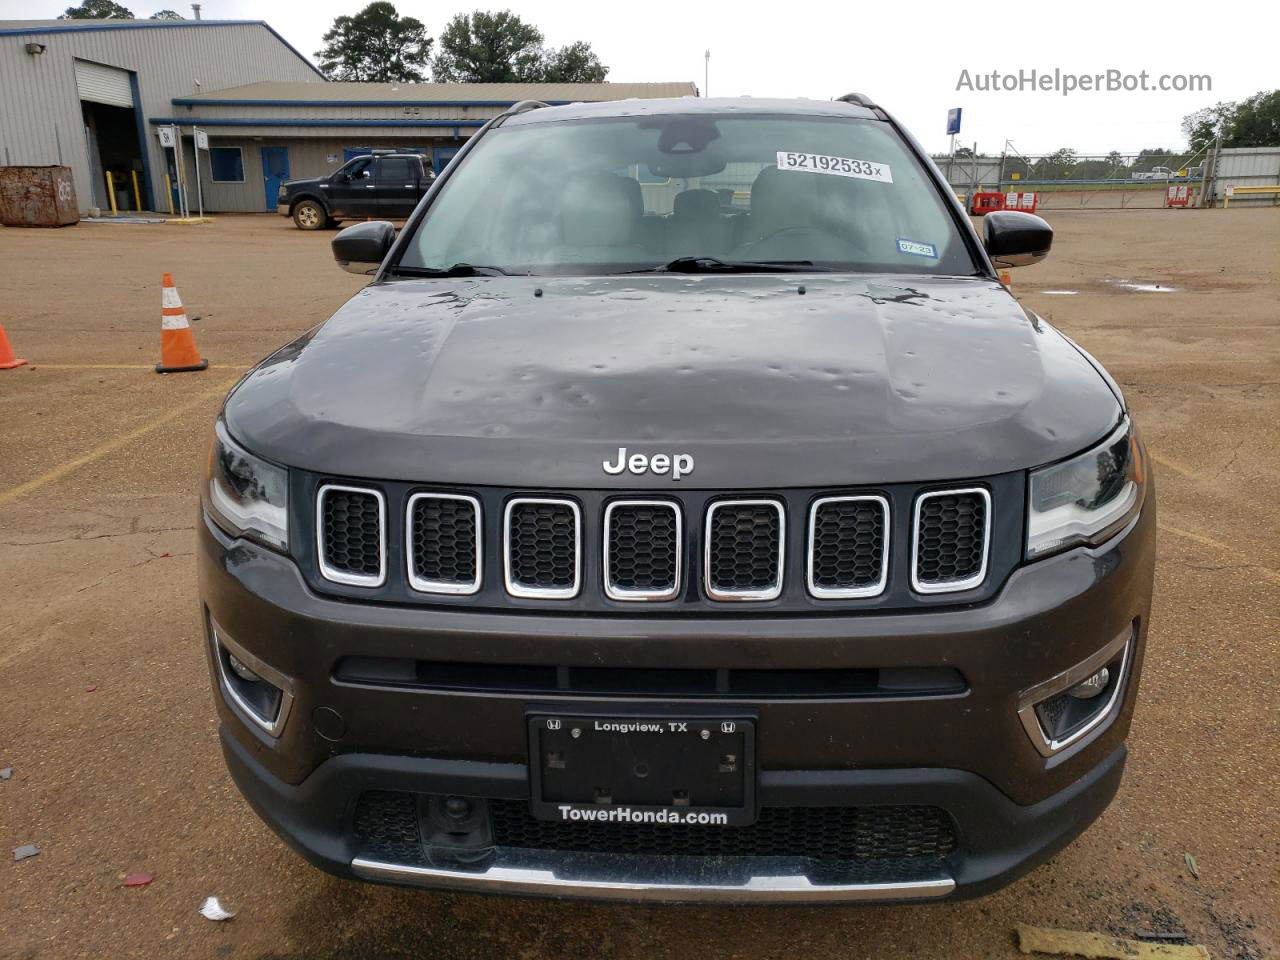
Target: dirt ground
105, 708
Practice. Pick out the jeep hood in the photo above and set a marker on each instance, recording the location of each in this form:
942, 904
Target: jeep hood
766, 380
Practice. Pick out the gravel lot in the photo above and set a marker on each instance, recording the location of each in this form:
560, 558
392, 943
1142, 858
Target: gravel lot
105, 711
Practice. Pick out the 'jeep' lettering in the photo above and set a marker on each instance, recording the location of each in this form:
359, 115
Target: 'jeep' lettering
679, 464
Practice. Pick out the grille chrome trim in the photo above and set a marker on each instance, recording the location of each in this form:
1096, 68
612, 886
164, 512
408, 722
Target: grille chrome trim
755, 594
542, 593
443, 586
342, 576
848, 593
624, 593
950, 586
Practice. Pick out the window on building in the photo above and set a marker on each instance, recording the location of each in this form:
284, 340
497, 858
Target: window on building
227, 164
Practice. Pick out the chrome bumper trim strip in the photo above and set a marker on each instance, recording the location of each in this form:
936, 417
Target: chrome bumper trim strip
544, 882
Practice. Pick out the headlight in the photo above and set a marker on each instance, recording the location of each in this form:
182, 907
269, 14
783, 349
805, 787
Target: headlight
245, 495
1088, 498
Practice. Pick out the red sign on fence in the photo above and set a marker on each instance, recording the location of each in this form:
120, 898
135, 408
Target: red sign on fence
1178, 195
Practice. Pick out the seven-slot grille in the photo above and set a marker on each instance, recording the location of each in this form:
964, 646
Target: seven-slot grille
848, 547
952, 534
847, 544
744, 549
642, 550
351, 525
543, 554
444, 552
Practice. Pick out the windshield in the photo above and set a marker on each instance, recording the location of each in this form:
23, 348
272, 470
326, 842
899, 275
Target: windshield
636, 193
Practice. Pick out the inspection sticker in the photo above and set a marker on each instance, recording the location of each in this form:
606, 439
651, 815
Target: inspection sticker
839, 166
918, 249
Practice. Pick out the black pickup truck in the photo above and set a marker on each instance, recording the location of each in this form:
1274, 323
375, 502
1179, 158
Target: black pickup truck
383, 185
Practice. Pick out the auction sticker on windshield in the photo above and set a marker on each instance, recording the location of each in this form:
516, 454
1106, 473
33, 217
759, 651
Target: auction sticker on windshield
839, 166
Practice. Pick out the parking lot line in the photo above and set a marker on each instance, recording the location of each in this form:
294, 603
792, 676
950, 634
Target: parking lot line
112, 445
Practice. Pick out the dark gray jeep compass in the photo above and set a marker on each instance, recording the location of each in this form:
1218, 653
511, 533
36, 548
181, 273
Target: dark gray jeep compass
685, 511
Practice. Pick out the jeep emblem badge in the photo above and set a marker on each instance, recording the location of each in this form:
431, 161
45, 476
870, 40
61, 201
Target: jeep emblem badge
676, 464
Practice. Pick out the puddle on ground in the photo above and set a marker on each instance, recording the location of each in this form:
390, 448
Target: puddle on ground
1136, 287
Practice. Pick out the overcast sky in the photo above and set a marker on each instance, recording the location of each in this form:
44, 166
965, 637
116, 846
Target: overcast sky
908, 55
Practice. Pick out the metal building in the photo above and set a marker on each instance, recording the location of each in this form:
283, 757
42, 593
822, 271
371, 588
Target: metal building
264, 132
99, 95
79, 92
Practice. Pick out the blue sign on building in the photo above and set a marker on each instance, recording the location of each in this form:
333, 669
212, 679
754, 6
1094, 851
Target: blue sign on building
953, 121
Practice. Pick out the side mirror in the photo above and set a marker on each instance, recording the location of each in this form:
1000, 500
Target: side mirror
361, 248
1016, 239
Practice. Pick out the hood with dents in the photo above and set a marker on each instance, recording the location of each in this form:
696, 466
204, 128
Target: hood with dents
764, 380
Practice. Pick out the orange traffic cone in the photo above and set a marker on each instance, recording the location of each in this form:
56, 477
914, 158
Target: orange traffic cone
7, 359
178, 351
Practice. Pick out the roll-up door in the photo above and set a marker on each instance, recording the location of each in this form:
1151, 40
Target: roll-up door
99, 84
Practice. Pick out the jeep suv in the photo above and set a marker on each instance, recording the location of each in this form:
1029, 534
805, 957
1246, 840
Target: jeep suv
685, 511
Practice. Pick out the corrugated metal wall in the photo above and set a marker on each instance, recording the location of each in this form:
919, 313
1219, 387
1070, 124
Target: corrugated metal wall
40, 117
1247, 167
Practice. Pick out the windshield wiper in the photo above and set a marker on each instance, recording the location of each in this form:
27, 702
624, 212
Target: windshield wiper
457, 270
716, 265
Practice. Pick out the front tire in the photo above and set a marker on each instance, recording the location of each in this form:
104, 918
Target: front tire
309, 215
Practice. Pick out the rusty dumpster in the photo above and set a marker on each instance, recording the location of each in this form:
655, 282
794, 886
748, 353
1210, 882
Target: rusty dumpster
37, 196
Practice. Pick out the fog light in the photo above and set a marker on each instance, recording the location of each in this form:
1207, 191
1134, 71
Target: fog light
241, 671
1092, 686
1078, 702
261, 694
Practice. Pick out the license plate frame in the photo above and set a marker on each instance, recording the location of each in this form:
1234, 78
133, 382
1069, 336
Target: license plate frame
633, 768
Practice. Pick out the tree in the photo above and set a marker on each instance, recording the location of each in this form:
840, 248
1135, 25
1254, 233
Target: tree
377, 44
1253, 122
576, 63
98, 10
166, 15
965, 153
1063, 157
488, 47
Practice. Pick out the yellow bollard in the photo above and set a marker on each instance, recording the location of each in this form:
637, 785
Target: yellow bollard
111, 193
168, 192
137, 194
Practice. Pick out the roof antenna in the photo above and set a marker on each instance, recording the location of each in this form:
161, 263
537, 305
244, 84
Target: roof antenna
195, 9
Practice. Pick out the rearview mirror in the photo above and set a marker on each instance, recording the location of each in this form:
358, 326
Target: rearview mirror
1016, 239
361, 248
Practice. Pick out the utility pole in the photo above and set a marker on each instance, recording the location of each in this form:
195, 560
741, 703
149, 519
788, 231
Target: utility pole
706, 74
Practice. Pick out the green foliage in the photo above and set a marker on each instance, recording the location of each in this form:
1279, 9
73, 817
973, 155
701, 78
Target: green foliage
489, 47
376, 45
166, 15
576, 63
486, 47
98, 10
1253, 122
